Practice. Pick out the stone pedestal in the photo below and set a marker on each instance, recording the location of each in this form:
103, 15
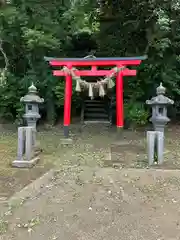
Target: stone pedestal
28, 151
155, 147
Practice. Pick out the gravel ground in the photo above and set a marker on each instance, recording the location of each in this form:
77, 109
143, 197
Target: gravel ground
85, 200
96, 203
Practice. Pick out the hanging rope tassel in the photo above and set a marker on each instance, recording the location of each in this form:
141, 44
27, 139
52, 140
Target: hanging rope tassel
110, 83
78, 86
90, 91
101, 90
82, 85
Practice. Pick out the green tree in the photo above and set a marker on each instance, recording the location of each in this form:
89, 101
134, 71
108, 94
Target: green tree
30, 30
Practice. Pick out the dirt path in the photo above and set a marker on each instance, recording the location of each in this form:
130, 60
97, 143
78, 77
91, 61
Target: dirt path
95, 203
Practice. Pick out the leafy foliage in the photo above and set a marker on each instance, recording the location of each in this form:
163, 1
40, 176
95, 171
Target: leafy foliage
30, 30
136, 113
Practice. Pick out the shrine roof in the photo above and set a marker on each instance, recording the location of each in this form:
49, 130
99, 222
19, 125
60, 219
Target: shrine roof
95, 59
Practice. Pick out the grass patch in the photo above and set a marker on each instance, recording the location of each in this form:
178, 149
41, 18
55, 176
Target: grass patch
3, 226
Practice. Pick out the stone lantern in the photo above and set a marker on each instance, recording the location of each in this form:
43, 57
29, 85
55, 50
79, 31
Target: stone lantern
159, 106
32, 101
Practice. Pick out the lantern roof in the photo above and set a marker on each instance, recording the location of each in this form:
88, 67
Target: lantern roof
32, 96
160, 99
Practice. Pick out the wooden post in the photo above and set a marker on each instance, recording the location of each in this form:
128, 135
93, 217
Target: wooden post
67, 105
119, 101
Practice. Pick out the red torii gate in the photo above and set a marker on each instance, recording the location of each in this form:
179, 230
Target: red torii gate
94, 63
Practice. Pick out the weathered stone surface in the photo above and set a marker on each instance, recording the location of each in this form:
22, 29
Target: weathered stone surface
159, 106
25, 164
151, 136
66, 141
160, 147
32, 101
155, 147
27, 155
21, 143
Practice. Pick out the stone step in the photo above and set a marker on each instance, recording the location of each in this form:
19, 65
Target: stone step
98, 109
93, 100
96, 119
94, 111
94, 104
97, 122
95, 114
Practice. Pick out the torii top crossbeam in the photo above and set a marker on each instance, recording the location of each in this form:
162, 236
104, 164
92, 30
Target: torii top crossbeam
112, 60
94, 63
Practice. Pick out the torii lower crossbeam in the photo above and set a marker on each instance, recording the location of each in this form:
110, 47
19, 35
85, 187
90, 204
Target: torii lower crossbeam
94, 63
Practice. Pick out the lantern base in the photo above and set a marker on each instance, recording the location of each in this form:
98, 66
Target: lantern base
24, 163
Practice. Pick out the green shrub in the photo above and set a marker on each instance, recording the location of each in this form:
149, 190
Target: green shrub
135, 113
